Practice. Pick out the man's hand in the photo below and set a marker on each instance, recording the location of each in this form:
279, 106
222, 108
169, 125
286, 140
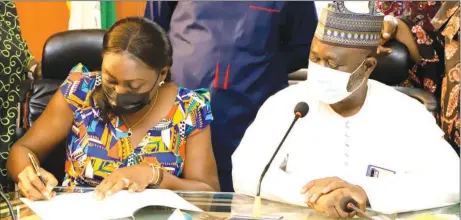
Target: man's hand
324, 196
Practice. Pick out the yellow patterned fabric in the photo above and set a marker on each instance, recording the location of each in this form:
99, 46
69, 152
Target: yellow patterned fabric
95, 148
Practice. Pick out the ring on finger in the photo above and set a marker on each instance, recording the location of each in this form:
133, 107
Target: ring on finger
392, 19
126, 181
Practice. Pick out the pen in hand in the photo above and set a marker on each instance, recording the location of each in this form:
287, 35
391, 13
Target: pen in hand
37, 171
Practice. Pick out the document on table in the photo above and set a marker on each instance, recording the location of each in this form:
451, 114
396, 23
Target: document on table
178, 215
120, 205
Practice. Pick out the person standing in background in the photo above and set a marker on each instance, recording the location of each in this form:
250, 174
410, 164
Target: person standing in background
446, 21
242, 51
420, 35
430, 32
16, 64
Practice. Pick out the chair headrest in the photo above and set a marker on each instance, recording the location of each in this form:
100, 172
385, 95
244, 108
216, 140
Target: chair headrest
392, 69
64, 50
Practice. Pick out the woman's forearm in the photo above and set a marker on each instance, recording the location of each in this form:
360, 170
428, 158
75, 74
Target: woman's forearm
18, 159
172, 182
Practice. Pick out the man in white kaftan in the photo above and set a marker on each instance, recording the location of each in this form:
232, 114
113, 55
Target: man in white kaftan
360, 138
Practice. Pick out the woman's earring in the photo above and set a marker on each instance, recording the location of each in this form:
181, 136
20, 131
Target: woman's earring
161, 83
98, 80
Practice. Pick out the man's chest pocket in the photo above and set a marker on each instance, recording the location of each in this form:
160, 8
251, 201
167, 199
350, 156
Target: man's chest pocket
258, 30
379, 172
382, 162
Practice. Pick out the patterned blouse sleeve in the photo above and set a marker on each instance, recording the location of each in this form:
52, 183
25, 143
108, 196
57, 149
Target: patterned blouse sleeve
77, 88
200, 115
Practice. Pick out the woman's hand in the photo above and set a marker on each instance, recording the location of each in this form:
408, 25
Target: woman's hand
32, 187
134, 178
394, 28
388, 32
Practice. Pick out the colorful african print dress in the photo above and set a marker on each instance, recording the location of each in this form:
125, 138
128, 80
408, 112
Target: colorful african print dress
95, 149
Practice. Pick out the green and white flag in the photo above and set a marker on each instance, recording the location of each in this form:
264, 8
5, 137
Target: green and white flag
108, 14
91, 14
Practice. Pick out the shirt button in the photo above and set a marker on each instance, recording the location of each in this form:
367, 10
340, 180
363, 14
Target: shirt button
347, 155
346, 164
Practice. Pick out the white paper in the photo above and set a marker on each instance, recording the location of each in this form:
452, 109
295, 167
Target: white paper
120, 205
177, 215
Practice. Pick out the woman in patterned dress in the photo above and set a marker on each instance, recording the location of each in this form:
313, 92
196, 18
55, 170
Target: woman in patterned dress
15, 62
127, 127
433, 50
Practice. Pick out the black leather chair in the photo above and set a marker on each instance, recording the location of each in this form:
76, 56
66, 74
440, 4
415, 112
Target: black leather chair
297, 76
34, 97
61, 52
64, 50
392, 69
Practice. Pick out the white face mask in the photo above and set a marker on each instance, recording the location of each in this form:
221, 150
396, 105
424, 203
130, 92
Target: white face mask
329, 85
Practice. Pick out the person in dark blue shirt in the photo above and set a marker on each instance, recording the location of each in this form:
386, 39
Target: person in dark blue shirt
242, 52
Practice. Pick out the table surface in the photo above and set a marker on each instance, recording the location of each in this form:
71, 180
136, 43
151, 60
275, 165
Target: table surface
218, 205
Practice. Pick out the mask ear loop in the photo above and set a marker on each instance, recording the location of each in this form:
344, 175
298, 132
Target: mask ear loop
106, 96
354, 78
